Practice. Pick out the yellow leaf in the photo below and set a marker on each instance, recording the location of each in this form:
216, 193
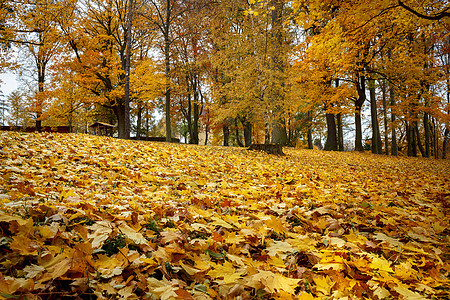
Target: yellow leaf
280, 248
100, 234
272, 282
324, 284
381, 264
220, 222
227, 271
275, 224
190, 270
169, 236
233, 238
408, 294
7, 218
306, 296
132, 234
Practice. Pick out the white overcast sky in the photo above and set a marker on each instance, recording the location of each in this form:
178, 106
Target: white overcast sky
8, 83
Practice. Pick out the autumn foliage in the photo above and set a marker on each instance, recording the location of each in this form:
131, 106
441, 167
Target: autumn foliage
91, 217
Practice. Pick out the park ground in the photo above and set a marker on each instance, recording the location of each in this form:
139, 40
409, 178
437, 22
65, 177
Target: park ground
89, 217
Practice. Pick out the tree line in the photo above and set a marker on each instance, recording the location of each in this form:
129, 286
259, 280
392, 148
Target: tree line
257, 71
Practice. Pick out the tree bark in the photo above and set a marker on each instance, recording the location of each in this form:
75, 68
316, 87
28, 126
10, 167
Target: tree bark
275, 149
310, 141
167, 94
436, 139
426, 125
226, 135
238, 139
394, 147
279, 133
419, 142
139, 122
196, 113
119, 111
361, 88
126, 133
41, 66
445, 143
411, 139
266, 128
166, 34
376, 137
385, 121
331, 142
189, 119
340, 132
247, 133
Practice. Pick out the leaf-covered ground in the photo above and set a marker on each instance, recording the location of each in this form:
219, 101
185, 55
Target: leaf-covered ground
92, 217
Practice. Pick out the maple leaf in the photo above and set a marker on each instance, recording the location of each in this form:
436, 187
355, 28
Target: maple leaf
101, 231
271, 237
227, 271
381, 264
280, 248
272, 282
324, 284
407, 293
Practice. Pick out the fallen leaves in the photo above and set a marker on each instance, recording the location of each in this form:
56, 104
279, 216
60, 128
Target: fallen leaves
85, 216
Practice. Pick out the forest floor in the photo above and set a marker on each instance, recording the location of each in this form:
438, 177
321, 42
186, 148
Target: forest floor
88, 217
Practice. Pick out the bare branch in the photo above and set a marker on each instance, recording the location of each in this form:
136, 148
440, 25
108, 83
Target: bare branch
435, 17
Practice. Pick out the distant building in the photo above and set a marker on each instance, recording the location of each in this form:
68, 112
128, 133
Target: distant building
100, 128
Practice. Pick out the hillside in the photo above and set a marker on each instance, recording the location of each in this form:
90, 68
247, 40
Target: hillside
92, 217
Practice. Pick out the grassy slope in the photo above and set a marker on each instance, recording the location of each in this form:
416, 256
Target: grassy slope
98, 217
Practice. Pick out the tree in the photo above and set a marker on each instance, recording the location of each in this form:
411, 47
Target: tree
98, 36
248, 59
362, 41
36, 30
18, 114
166, 13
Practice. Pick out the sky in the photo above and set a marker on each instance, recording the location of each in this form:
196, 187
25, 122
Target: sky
8, 83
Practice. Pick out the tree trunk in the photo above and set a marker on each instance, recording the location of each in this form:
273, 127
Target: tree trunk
394, 147
340, 132
331, 143
445, 143
411, 139
310, 141
119, 111
139, 122
266, 128
126, 133
247, 133
226, 135
189, 119
361, 88
238, 139
436, 139
386, 138
376, 137
196, 113
279, 133
167, 73
39, 100
426, 125
275, 149
419, 142
147, 126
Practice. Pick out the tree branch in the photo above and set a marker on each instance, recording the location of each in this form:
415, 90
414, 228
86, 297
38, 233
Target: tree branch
434, 17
